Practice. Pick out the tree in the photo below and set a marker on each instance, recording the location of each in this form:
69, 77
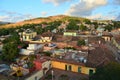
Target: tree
83, 28
72, 25
39, 30
87, 21
14, 38
10, 48
109, 27
108, 72
10, 51
116, 24
81, 42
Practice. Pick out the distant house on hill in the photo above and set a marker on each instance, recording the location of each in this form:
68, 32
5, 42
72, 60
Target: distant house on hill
46, 37
70, 34
107, 36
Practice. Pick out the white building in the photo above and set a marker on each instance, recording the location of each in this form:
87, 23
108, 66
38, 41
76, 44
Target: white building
31, 49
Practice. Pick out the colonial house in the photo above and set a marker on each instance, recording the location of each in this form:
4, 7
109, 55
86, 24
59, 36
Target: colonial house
46, 37
107, 36
72, 66
27, 35
43, 38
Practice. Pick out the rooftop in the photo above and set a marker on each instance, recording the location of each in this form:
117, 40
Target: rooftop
72, 56
117, 38
47, 34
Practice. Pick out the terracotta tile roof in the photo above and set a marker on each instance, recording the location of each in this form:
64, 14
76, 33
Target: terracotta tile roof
99, 56
107, 34
68, 61
117, 38
47, 34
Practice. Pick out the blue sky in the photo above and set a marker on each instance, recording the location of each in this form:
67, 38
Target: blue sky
19, 10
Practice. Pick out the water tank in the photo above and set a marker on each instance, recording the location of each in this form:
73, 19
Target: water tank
81, 59
73, 56
84, 60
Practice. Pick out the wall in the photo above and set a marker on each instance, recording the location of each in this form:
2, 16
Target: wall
38, 75
115, 43
69, 33
106, 38
1, 46
34, 46
74, 67
46, 64
26, 52
28, 36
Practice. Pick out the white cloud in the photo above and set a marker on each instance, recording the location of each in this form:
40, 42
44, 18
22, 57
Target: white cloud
43, 13
118, 17
117, 2
14, 16
101, 17
85, 7
56, 2
4, 18
10, 16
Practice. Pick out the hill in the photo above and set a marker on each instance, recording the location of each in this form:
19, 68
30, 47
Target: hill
40, 20
3, 23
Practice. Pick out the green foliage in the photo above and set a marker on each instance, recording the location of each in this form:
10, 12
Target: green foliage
52, 25
32, 57
109, 27
116, 24
72, 25
81, 42
87, 21
10, 51
4, 32
83, 28
10, 48
30, 64
108, 72
39, 30
70, 48
47, 53
13, 39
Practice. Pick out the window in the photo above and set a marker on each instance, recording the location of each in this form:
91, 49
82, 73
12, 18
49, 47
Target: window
79, 69
90, 72
70, 67
25, 37
65, 67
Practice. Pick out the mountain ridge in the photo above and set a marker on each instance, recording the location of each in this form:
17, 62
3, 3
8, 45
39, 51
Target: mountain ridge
43, 19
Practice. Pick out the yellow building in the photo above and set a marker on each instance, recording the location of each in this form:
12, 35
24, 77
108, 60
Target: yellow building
107, 36
70, 34
72, 66
46, 37
28, 35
